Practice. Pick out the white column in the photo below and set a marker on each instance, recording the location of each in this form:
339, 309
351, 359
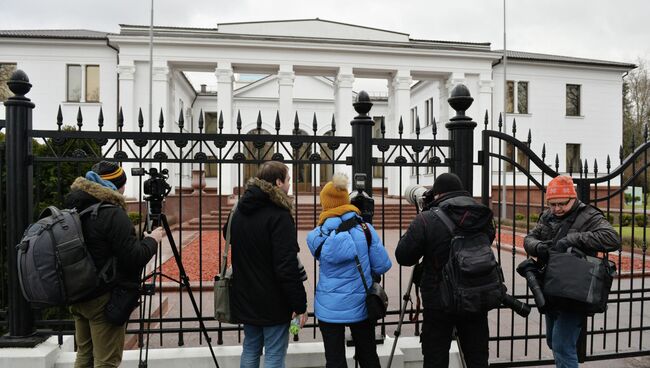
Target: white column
343, 101
286, 78
160, 99
126, 74
485, 85
401, 105
225, 78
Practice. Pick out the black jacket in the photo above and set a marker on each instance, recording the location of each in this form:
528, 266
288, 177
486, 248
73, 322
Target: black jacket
266, 283
111, 234
595, 234
428, 237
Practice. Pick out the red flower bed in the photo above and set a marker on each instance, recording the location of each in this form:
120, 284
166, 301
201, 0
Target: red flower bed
190, 256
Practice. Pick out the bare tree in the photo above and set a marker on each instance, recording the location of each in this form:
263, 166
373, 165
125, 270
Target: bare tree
636, 106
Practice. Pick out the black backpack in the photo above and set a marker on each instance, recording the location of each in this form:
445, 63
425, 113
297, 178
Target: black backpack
472, 279
54, 265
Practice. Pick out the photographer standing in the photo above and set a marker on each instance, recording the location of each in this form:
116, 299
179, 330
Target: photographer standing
340, 293
428, 237
110, 237
567, 223
267, 290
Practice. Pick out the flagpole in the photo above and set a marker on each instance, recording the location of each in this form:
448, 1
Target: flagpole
504, 204
151, 70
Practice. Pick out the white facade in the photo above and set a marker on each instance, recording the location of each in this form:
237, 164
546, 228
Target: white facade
311, 67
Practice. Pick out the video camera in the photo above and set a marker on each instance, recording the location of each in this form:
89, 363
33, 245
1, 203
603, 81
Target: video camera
361, 199
156, 189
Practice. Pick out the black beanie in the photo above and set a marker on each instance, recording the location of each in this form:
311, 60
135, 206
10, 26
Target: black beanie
446, 183
110, 171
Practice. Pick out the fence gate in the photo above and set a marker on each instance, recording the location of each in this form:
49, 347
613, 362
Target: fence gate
513, 185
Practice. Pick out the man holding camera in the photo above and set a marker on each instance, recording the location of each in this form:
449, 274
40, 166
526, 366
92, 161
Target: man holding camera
110, 237
567, 223
429, 237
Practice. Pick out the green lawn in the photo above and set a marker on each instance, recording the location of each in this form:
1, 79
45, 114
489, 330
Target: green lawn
626, 234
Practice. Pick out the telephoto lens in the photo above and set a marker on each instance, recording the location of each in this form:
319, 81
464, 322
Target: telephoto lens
519, 307
529, 270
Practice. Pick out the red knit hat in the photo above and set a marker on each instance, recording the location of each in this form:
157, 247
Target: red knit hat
560, 187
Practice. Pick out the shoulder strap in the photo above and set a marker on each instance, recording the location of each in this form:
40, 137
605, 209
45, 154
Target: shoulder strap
569, 223
445, 219
94, 209
346, 226
225, 253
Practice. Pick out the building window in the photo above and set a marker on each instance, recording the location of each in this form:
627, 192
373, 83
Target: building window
572, 100
6, 70
572, 157
78, 77
92, 83
414, 116
522, 97
520, 100
428, 107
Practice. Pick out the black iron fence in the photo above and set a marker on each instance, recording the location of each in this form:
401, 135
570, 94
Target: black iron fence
198, 207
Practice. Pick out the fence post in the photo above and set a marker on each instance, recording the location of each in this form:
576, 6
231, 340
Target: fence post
461, 133
362, 155
362, 139
583, 191
19, 201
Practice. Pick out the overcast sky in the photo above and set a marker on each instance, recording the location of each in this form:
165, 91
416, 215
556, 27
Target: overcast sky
616, 30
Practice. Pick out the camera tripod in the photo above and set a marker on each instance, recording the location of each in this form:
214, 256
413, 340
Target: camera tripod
161, 219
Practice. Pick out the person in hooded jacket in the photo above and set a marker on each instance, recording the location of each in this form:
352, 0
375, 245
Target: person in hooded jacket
587, 230
340, 293
267, 282
428, 237
110, 237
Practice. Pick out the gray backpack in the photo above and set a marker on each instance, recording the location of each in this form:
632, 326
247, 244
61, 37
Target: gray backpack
54, 266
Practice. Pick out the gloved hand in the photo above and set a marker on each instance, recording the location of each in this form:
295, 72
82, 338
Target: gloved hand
562, 245
542, 251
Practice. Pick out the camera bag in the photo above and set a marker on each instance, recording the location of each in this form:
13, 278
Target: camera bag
54, 265
223, 281
472, 279
125, 297
588, 287
587, 290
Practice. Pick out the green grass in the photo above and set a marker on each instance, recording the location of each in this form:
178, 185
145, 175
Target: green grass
626, 235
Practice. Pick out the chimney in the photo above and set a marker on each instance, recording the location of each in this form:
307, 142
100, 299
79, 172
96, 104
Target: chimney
203, 89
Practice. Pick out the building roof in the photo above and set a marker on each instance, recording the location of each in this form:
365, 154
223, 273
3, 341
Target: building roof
529, 56
55, 33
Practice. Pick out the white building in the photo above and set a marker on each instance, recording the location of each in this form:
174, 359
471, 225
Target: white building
313, 67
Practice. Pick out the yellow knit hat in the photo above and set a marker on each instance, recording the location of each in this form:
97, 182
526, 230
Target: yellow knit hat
335, 192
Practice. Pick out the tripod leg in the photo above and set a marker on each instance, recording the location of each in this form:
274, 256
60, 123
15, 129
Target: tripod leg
186, 282
398, 331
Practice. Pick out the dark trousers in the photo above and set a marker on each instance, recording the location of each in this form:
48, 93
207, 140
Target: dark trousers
436, 338
363, 334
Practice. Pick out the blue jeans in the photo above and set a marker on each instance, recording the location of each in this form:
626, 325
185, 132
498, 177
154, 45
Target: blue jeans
562, 333
274, 339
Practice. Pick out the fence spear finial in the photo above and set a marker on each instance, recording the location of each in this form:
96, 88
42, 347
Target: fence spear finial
59, 118
100, 119
140, 119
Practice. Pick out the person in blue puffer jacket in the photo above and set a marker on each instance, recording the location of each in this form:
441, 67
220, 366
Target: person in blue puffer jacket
340, 294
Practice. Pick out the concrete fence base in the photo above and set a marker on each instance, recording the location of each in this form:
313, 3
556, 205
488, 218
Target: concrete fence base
51, 355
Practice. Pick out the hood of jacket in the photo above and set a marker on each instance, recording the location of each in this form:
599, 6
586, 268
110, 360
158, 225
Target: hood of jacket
86, 193
260, 193
465, 212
